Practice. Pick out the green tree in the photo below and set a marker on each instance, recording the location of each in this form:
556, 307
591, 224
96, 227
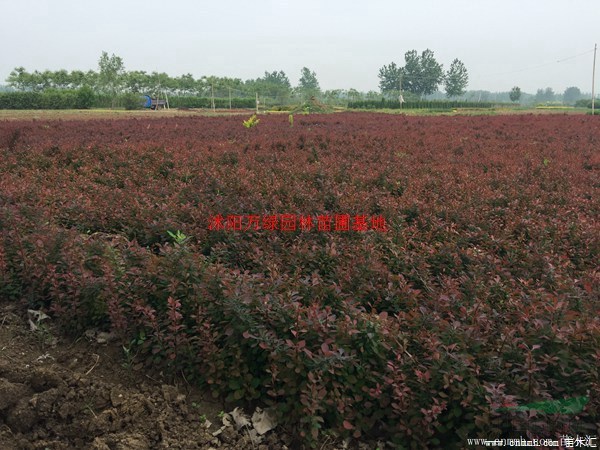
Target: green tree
91, 79
544, 95
432, 72
186, 84
84, 97
420, 75
389, 79
137, 81
19, 79
515, 94
131, 101
77, 79
353, 95
205, 86
571, 95
456, 79
333, 96
110, 76
308, 86
373, 95
411, 73
277, 78
59, 79
41, 80
158, 83
275, 85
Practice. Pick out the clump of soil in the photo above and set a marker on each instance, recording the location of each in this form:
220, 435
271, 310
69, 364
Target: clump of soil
57, 394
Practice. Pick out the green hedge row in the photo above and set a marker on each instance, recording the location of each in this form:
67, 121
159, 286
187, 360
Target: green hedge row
80, 99
205, 102
85, 98
587, 103
431, 104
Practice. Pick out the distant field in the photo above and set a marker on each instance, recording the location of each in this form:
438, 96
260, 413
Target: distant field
76, 114
148, 114
482, 111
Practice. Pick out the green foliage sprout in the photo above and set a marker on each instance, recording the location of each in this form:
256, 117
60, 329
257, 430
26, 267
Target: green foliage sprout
251, 122
565, 406
178, 237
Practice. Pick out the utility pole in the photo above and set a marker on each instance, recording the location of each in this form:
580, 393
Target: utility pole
157, 94
594, 78
256, 102
401, 98
212, 97
230, 97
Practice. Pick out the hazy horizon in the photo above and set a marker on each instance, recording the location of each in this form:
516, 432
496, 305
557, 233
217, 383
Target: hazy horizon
502, 44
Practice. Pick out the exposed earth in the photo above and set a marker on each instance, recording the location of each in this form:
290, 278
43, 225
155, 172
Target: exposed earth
59, 393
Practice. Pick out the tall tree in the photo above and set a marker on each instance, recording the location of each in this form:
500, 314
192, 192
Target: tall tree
275, 85
277, 78
411, 73
137, 81
432, 72
60, 79
91, 79
544, 95
308, 86
159, 82
334, 96
456, 79
389, 79
185, 84
571, 95
42, 80
515, 94
420, 75
19, 79
353, 95
110, 76
77, 79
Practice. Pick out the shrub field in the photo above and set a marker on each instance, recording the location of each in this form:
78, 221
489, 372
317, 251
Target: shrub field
480, 292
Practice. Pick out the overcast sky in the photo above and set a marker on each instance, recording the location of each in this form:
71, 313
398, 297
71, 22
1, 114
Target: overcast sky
503, 43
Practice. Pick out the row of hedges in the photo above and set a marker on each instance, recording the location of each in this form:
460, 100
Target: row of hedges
205, 102
430, 104
587, 103
80, 99
86, 98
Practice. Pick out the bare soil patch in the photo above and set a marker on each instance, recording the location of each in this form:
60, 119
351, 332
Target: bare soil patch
57, 393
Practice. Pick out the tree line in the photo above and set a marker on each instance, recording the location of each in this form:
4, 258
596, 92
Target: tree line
420, 78
111, 78
571, 96
422, 75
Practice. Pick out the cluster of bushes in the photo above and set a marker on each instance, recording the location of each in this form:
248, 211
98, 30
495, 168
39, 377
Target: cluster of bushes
83, 98
86, 98
483, 294
206, 102
587, 103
